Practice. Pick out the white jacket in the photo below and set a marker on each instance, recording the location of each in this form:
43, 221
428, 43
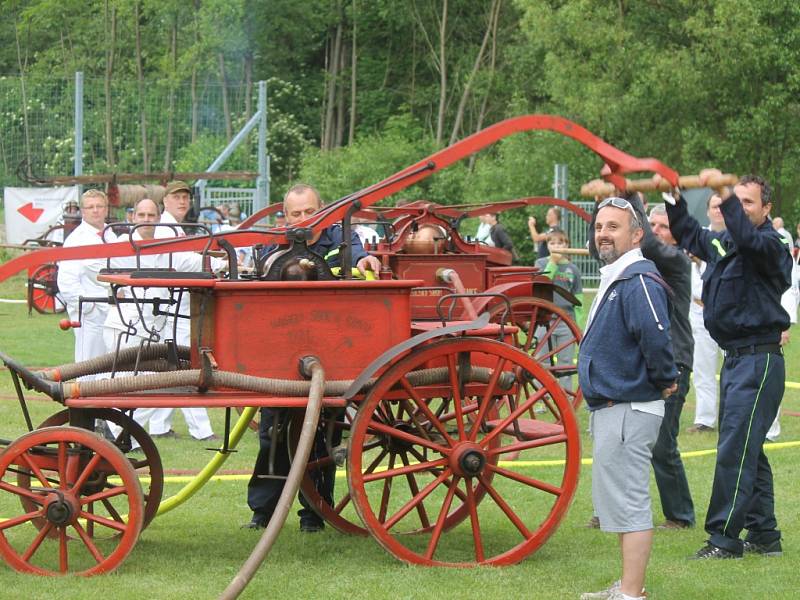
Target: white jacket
78, 278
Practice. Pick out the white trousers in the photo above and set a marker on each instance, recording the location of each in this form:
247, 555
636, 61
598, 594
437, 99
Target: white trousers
704, 373
88, 338
160, 419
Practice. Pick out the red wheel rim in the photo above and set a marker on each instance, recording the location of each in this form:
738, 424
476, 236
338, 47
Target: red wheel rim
69, 466
523, 502
43, 290
537, 321
148, 466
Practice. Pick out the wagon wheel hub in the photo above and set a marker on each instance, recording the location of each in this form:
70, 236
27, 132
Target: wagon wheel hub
468, 459
61, 508
399, 445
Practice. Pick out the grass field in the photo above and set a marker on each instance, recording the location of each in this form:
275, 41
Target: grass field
194, 550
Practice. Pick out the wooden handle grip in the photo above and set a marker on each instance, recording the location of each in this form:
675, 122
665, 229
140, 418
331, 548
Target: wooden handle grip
598, 187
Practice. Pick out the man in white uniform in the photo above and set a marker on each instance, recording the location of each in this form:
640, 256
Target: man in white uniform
78, 278
177, 202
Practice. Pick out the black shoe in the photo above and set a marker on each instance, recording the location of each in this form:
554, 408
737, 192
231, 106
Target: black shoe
169, 434
712, 551
258, 521
311, 524
771, 549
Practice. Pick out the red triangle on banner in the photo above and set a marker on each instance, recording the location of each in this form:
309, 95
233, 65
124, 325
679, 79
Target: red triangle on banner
30, 212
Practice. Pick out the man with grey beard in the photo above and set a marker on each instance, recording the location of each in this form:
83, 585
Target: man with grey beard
625, 388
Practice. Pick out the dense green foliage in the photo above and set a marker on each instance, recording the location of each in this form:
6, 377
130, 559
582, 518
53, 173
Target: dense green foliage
359, 89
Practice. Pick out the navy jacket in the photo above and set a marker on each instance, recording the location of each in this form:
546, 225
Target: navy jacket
626, 352
748, 270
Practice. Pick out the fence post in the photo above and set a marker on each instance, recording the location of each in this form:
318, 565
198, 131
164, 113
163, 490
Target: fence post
262, 183
78, 123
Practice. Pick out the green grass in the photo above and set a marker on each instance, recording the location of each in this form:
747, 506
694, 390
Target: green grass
196, 549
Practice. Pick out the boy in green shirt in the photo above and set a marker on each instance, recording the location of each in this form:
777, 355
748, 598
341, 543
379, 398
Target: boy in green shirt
566, 275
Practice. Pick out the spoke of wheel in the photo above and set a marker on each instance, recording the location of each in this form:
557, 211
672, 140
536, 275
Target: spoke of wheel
31, 464
414, 416
407, 437
436, 472
529, 444
87, 470
63, 563
62, 465
387, 491
509, 512
37, 541
548, 334
521, 408
13, 522
90, 517
139, 464
340, 506
104, 495
529, 481
374, 464
90, 524
414, 487
456, 387
405, 470
488, 395
21, 491
436, 535
426, 410
87, 541
112, 511
531, 330
554, 351
413, 502
472, 507
314, 465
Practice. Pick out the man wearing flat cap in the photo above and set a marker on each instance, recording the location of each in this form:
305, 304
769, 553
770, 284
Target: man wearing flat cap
177, 202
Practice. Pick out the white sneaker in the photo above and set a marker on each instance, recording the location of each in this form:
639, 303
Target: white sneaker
612, 593
602, 594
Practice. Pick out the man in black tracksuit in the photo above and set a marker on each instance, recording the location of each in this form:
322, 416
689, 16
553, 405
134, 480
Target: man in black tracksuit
749, 267
675, 267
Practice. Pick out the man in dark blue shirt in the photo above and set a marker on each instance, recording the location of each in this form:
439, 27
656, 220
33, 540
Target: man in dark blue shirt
264, 488
302, 201
749, 267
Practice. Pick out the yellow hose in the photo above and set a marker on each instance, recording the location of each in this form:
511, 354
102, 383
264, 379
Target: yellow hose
211, 468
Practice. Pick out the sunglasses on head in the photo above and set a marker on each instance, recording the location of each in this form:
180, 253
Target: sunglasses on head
618, 203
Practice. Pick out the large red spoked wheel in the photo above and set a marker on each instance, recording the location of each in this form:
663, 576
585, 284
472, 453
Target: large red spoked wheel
146, 462
335, 427
43, 290
548, 333
70, 469
443, 475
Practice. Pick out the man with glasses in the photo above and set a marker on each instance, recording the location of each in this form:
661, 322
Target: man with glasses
78, 278
749, 267
625, 388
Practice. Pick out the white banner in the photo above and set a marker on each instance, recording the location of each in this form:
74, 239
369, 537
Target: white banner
31, 211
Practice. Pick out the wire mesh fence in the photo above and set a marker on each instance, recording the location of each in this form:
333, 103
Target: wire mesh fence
128, 127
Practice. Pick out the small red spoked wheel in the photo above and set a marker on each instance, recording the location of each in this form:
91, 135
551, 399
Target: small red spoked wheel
548, 333
70, 468
146, 463
429, 471
43, 290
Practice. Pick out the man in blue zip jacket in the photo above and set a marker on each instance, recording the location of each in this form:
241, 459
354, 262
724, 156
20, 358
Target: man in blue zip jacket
749, 267
264, 488
626, 368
